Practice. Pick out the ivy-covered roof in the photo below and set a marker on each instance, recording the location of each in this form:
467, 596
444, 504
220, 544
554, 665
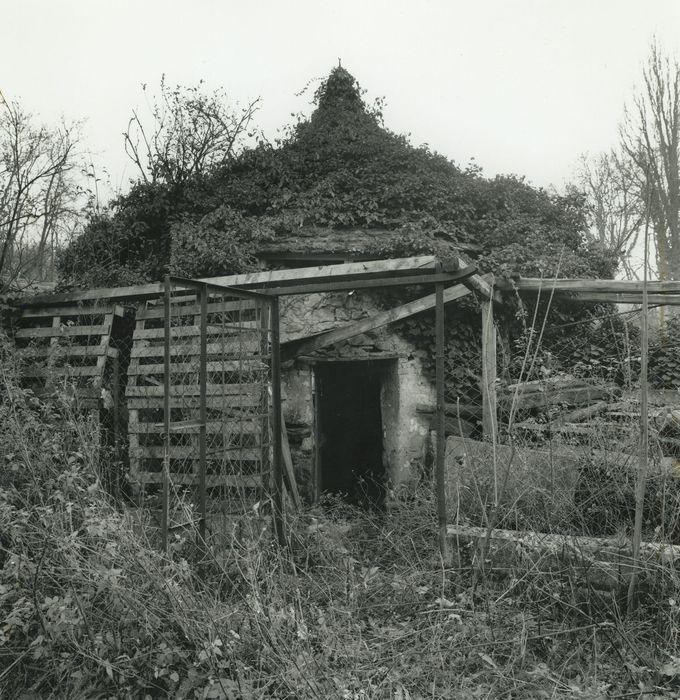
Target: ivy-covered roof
338, 181
353, 242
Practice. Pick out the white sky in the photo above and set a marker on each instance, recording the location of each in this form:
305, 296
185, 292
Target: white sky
523, 86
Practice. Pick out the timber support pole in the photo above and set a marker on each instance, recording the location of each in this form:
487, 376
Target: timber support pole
489, 370
277, 426
440, 457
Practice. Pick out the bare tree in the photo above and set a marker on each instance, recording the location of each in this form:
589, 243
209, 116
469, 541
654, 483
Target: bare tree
38, 192
612, 195
650, 137
190, 131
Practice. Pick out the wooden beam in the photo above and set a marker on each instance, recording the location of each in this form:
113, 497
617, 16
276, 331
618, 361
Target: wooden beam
312, 287
261, 280
582, 286
604, 563
479, 283
304, 346
271, 278
489, 403
626, 298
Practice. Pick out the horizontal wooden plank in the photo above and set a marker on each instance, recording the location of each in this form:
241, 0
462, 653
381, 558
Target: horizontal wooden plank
66, 351
63, 331
244, 365
252, 279
222, 350
533, 284
225, 403
594, 429
64, 371
247, 328
242, 305
190, 453
236, 481
626, 298
606, 564
90, 392
70, 311
226, 427
538, 399
368, 269
231, 390
432, 277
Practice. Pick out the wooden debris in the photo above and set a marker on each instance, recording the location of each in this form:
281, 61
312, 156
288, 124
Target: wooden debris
289, 472
604, 563
559, 391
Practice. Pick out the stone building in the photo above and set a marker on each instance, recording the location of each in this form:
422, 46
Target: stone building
351, 408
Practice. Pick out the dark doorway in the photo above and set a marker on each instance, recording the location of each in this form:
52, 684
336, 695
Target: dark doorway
350, 432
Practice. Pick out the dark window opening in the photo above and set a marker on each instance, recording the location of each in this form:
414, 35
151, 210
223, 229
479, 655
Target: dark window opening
350, 450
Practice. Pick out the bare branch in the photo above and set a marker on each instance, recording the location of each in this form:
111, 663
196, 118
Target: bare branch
190, 132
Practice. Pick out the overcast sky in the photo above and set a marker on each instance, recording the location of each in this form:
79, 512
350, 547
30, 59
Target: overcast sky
522, 86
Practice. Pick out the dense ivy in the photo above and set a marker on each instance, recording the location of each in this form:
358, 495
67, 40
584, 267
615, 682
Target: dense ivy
342, 169
338, 169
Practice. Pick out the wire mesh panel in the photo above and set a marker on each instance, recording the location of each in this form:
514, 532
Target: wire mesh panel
566, 461
199, 395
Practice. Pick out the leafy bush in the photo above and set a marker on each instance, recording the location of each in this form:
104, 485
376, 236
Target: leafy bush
221, 243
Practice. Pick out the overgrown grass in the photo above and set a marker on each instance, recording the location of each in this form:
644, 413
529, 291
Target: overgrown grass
357, 606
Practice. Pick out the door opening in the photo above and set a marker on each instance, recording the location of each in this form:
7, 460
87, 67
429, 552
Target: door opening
349, 431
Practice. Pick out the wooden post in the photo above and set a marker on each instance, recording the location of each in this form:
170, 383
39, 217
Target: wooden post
489, 403
440, 456
166, 416
641, 481
277, 466
203, 414
288, 464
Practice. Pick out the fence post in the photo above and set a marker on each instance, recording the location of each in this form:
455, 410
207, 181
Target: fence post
277, 470
489, 401
440, 457
166, 415
202, 438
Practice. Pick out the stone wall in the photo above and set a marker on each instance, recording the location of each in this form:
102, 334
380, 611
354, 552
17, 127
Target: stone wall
404, 382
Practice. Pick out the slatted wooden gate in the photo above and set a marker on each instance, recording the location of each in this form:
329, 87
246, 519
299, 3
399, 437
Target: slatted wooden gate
69, 352
199, 396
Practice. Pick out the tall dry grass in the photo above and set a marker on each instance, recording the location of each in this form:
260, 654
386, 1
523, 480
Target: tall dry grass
358, 605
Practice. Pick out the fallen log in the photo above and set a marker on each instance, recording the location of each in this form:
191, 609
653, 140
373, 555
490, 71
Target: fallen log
606, 563
546, 461
580, 414
548, 398
554, 391
541, 385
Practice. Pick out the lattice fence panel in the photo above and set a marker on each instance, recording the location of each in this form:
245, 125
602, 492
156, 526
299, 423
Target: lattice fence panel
237, 399
69, 350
